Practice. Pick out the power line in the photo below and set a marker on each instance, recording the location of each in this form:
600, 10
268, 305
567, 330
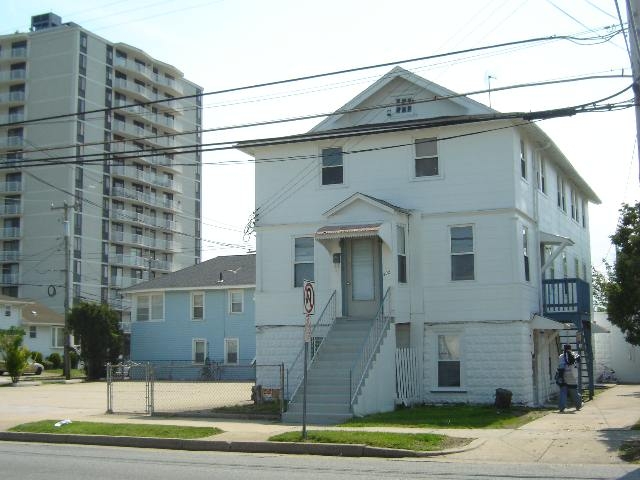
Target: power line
177, 150
313, 76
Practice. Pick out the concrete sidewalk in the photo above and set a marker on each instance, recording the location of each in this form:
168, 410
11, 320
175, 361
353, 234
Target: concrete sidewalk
591, 436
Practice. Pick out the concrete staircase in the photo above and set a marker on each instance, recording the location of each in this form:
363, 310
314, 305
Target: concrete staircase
328, 384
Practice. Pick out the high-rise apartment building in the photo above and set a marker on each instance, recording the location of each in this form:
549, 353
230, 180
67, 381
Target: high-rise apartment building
114, 135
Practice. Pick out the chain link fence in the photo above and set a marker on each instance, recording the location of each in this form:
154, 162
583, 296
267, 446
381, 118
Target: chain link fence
176, 387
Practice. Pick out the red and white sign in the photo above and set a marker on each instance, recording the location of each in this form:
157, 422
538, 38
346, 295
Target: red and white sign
309, 297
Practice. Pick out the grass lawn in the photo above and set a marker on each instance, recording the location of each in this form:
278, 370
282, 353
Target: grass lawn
118, 429
57, 372
424, 442
450, 416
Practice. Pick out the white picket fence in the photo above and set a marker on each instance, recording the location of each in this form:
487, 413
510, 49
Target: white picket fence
407, 376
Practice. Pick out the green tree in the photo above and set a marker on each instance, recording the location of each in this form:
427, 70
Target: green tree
15, 355
623, 288
96, 327
599, 281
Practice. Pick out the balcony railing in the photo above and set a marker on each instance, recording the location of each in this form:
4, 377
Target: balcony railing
11, 142
10, 97
119, 281
147, 177
566, 296
11, 209
10, 232
10, 187
9, 256
144, 197
129, 260
20, 52
10, 278
11, 118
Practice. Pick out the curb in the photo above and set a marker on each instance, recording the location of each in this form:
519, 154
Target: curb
292, 448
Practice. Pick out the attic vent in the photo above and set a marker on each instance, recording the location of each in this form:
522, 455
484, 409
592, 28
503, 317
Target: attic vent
404, 105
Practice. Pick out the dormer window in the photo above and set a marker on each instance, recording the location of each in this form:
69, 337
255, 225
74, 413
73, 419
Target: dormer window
404, 105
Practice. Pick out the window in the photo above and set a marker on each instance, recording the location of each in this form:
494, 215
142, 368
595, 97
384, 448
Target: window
565, 265
332, 166
576, 267
523, 161
541, 175
57, 337
236, 300
150, 307
448, 361
32, 331
525, 251
574, 204
562, 200
231, 350
462, 257
548, 252
303, 261
7, 310
402, 255
426, 163
584, 214
199, 348
404, 105
197, 306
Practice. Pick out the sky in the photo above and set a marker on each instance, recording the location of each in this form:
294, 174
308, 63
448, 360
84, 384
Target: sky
223, 44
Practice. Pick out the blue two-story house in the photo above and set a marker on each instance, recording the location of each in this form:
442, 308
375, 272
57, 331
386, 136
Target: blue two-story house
197, 317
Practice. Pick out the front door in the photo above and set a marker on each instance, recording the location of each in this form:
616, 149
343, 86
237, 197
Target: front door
361, 277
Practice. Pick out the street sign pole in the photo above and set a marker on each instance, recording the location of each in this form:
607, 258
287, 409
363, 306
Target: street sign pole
304, 391
308, 302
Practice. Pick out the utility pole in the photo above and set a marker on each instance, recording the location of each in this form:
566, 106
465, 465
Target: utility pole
67, 284
633, 20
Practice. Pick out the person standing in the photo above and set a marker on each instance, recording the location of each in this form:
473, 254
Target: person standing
567, 369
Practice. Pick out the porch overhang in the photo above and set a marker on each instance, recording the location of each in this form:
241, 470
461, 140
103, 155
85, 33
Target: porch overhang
333, 232
539, 322
551, 239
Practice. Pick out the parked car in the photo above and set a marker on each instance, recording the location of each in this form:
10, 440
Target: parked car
32, 367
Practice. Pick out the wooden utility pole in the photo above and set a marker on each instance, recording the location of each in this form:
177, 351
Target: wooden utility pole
67, 283
633, 20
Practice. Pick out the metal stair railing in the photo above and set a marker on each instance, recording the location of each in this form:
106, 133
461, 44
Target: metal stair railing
580, 340
370, 347
295, 372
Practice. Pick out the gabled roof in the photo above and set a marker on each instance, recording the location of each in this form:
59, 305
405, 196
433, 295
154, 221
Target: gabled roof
35, 313
368, 199
462, 110
229, 271
429, 91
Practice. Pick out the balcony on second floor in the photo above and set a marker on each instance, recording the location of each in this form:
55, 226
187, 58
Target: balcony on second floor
11, 186
11, 256
566, 299
10, 232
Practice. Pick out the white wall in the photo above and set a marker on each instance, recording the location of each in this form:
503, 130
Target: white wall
613, 351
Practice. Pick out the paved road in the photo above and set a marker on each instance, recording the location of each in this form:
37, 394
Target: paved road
97, 463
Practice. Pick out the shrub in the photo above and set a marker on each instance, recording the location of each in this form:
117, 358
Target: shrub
37, 357
55, 359
47, 365
74, 358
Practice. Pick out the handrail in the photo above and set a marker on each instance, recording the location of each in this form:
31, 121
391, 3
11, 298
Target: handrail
370, 346
295, 373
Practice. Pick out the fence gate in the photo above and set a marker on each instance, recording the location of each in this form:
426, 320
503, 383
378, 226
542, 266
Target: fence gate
130, 388
406, 375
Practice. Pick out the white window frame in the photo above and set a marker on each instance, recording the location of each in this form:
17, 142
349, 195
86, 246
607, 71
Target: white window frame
322, 167
193, 306
57, 333
402, 254
231, 302
228, 340
436, 383
541, 175
148, 298
525, 253
296, 261
471, 252
417, 157
194, 343
523, 160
